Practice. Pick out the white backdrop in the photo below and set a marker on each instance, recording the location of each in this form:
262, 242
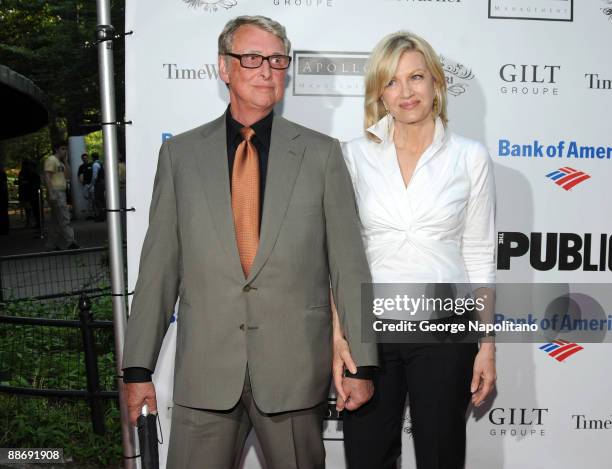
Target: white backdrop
519, 72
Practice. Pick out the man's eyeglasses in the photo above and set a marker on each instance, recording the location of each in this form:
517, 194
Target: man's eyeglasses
278, 62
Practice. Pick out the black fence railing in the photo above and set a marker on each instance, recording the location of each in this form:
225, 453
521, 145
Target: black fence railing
54, 274
59, 352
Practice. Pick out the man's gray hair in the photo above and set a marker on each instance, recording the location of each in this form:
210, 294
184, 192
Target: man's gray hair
227, 35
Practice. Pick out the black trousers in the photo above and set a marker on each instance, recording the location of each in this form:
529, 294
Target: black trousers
436, 377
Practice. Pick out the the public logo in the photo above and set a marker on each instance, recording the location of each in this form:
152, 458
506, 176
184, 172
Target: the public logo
544, 10
211, 5
560, 349
588, 252
567, 177
457, 76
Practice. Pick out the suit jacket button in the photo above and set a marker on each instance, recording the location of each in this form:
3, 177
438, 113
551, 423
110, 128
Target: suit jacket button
242, 327
246, 288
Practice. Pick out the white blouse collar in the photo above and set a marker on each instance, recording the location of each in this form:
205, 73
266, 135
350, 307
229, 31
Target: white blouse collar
383, 129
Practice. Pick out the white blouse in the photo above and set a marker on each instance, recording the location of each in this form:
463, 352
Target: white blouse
441, 227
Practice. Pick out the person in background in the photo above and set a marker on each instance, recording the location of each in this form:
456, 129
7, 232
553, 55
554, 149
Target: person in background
84, 174
97, 182
29, 185
57, 171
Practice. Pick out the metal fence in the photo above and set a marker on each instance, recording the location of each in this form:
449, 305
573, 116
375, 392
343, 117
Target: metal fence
59, 357
56, 331
54, 274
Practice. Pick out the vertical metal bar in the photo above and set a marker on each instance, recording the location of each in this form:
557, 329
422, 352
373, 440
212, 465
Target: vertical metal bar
107, 98
91, 367
41, 214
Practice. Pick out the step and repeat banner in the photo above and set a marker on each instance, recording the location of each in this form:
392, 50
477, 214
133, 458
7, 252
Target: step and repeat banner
532, 79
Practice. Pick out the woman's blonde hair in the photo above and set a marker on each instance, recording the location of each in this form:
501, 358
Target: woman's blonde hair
381, 68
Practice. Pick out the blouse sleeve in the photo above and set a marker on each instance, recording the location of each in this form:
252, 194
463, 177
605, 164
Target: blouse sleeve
478, 240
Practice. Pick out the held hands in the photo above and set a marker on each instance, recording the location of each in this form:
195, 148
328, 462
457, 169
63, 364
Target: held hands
352, 392
139, 394
484, 375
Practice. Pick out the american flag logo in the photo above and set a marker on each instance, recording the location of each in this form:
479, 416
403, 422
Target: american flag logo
567, 177
561, 349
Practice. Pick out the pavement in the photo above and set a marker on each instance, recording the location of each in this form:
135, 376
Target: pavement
23, 240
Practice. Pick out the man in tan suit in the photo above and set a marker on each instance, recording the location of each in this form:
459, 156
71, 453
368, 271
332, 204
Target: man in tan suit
251, 218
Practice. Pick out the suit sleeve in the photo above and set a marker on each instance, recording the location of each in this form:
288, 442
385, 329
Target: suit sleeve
158, 278
347, 261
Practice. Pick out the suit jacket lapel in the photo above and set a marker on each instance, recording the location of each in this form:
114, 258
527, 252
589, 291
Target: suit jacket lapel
284, 160
215, 175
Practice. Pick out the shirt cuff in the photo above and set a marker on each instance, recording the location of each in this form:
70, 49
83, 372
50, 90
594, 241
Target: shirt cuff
363, 372
136, 375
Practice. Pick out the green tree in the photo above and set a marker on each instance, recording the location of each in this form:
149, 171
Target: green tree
45, 41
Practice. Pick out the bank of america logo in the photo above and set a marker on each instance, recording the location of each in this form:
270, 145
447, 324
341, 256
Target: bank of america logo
561, 349
567, 177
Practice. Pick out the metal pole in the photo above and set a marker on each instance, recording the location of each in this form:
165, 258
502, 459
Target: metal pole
107, 98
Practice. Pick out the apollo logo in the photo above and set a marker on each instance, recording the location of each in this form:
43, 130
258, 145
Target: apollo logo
561, 349
211, 5
322, 73
567, 177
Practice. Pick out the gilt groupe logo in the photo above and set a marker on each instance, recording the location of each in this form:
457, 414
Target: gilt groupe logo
458, 76
211, 5
546, 10
517, 421
303, 3
529, 79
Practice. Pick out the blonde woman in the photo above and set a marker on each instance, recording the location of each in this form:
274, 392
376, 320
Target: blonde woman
426, 201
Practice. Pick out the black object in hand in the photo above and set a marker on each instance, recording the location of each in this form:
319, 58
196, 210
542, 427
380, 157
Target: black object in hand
147, 438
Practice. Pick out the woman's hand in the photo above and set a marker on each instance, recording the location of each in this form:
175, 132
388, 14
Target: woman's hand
484, 375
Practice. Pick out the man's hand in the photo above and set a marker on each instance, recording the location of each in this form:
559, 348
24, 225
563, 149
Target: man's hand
357, 391
139, 394
484, 375
352, 393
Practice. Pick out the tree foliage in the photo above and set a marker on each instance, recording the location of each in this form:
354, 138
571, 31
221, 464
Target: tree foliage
44, 40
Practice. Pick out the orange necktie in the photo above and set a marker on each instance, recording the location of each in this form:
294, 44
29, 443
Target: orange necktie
245, 199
